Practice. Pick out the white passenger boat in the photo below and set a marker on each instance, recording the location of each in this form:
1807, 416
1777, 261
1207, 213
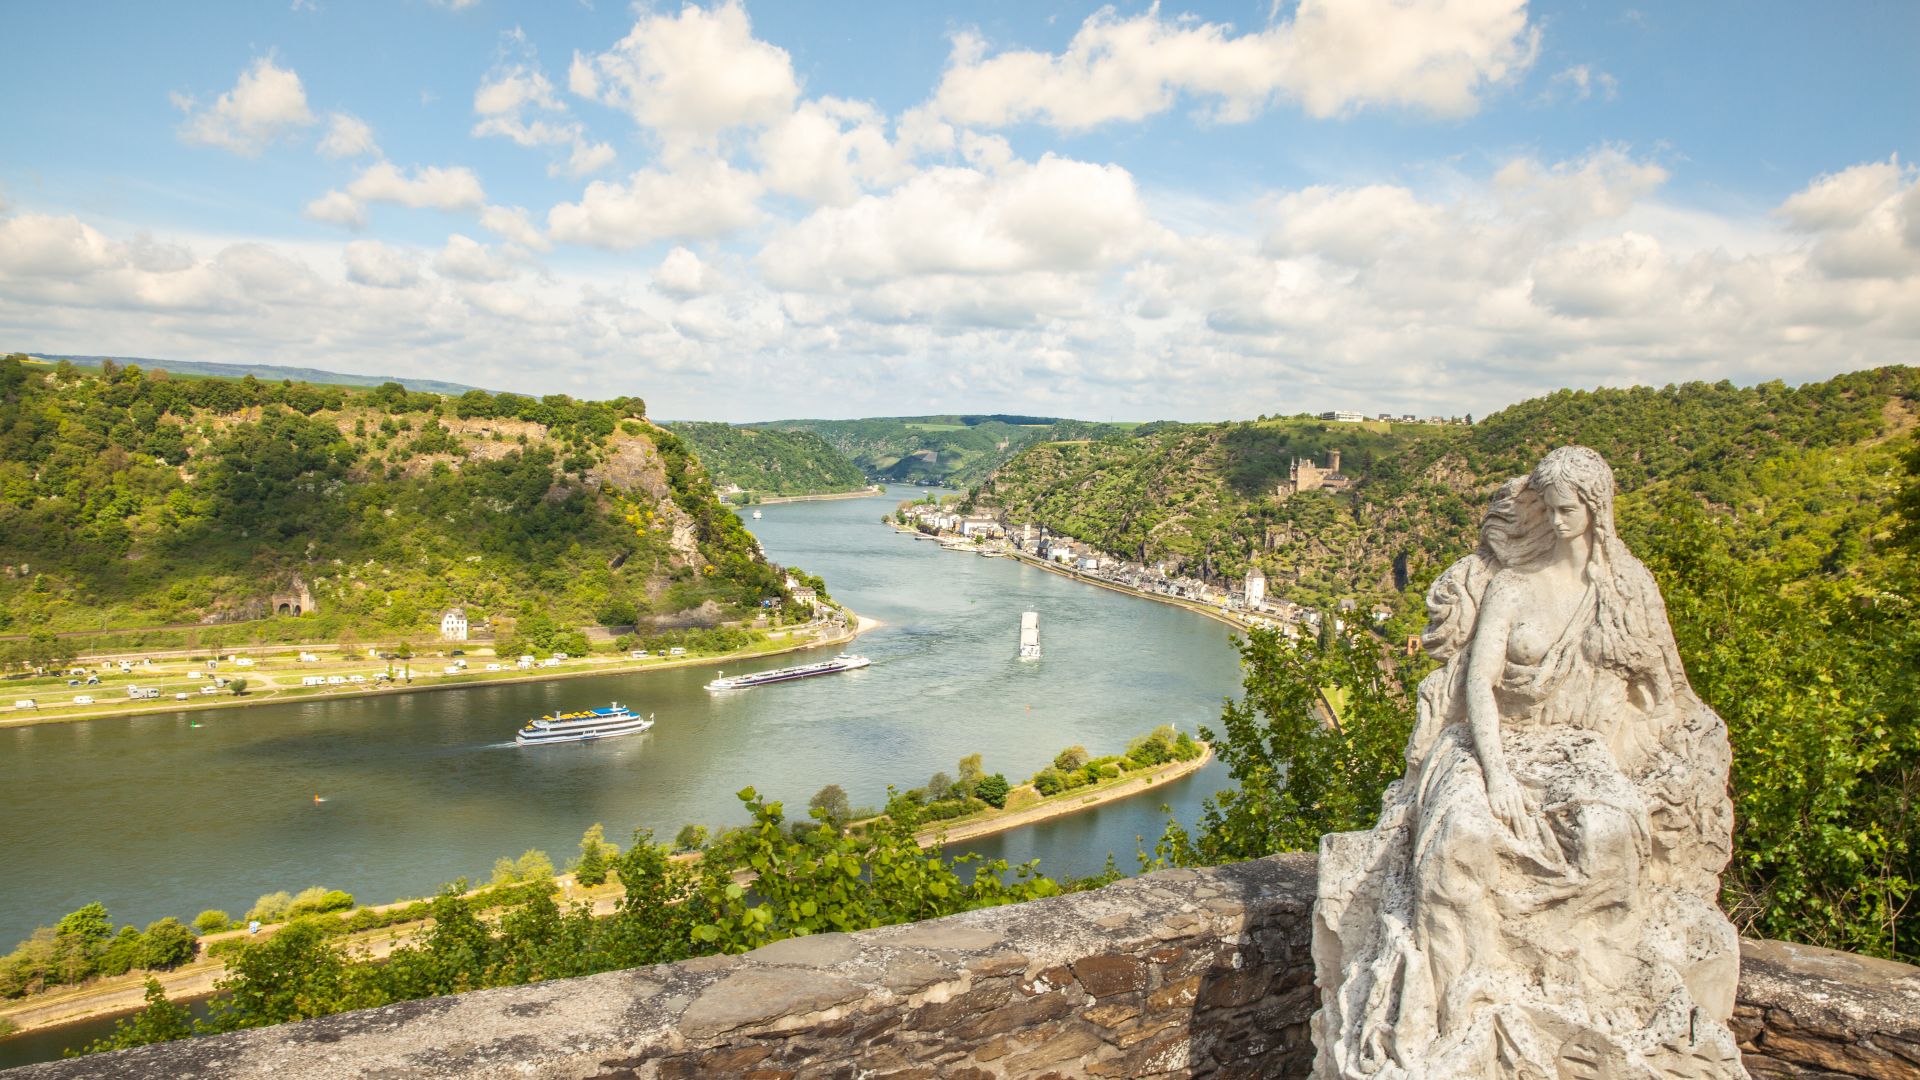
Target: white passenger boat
605, 723
843, 662
1030, 635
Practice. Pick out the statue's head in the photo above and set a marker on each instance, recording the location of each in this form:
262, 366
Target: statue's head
1575, 487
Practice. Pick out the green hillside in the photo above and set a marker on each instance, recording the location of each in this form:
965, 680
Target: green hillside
130, 500
1201, 495
769, 461
959, 450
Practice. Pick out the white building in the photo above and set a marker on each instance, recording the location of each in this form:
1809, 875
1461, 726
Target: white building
1343, 416
1256, 591
453, 625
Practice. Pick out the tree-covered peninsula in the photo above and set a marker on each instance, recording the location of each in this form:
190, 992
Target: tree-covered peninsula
205, 511
767, 461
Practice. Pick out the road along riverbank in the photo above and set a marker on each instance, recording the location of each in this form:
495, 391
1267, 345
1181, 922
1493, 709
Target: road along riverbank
574, 668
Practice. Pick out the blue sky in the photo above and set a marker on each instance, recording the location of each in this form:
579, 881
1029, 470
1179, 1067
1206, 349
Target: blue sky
762, 210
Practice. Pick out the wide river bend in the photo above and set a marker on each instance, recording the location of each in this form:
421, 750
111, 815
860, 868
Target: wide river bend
155, 816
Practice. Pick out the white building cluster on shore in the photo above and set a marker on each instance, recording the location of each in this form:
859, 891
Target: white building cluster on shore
1249, 604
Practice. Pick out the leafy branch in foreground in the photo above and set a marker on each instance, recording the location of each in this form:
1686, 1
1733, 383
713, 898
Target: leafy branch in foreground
755, 885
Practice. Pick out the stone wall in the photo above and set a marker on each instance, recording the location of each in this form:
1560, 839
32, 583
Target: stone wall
1181, 973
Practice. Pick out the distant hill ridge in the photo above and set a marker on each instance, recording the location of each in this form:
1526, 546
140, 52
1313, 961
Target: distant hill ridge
274, 372
953, 448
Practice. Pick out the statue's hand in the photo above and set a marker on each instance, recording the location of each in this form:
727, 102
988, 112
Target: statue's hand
1508, 801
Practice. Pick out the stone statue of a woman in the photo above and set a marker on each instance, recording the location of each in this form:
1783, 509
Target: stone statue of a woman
1539, 897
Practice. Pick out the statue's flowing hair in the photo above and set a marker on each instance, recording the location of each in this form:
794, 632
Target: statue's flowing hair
1630, 623
1630, 634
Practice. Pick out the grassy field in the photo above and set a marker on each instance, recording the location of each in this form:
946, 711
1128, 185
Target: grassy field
279, 674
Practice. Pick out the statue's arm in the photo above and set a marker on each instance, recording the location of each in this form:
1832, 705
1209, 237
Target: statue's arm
1486, 662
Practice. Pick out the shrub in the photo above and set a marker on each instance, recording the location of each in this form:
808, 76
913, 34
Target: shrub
212, 921
318, 901
1049, 782
270, 908
947, 809
165, 944
531, 867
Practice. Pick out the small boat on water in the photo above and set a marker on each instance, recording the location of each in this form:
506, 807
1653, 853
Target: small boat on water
605, 723
843, 662
1030, 635
756, 513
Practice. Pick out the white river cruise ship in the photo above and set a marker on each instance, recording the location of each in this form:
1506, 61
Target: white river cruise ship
605, 723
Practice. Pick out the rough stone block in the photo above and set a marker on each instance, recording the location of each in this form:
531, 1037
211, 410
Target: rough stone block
756, 996
1110, 974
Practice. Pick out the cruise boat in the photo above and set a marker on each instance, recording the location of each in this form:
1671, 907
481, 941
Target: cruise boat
616, 719
843, 662
1030, 635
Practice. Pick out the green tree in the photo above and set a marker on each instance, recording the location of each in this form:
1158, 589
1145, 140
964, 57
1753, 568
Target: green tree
166, 944
237, 686
830, 805
939, 786
992, 790
1071, 758
1299, 771
294, 974
690, 838
89, 926
596, 856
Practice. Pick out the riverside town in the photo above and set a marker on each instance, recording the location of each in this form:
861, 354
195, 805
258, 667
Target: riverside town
1322, 540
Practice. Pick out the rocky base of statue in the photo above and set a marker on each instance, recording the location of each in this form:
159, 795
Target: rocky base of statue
1538, 901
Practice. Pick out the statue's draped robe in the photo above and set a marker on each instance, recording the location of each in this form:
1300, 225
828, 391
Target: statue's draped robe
1586, 941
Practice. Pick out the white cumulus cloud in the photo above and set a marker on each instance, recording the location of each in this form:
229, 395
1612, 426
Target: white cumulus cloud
1330, 58
267, 101
347, 136
466, 259
703, 198
370, 262
690, 76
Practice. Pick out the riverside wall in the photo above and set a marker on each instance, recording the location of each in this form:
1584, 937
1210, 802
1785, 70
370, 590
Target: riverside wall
1182, 973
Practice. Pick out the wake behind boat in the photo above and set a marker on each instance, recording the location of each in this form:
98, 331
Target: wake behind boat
843, 662
605, 723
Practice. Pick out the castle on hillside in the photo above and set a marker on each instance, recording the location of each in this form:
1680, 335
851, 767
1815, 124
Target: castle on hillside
1306, 476
296, 600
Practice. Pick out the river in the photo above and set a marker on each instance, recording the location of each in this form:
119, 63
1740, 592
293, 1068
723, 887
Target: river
154, 816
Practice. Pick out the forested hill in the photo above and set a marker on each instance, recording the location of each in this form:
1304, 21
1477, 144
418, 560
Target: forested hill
765, 461
133, 499
955, 449
1810, 463
270, 372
